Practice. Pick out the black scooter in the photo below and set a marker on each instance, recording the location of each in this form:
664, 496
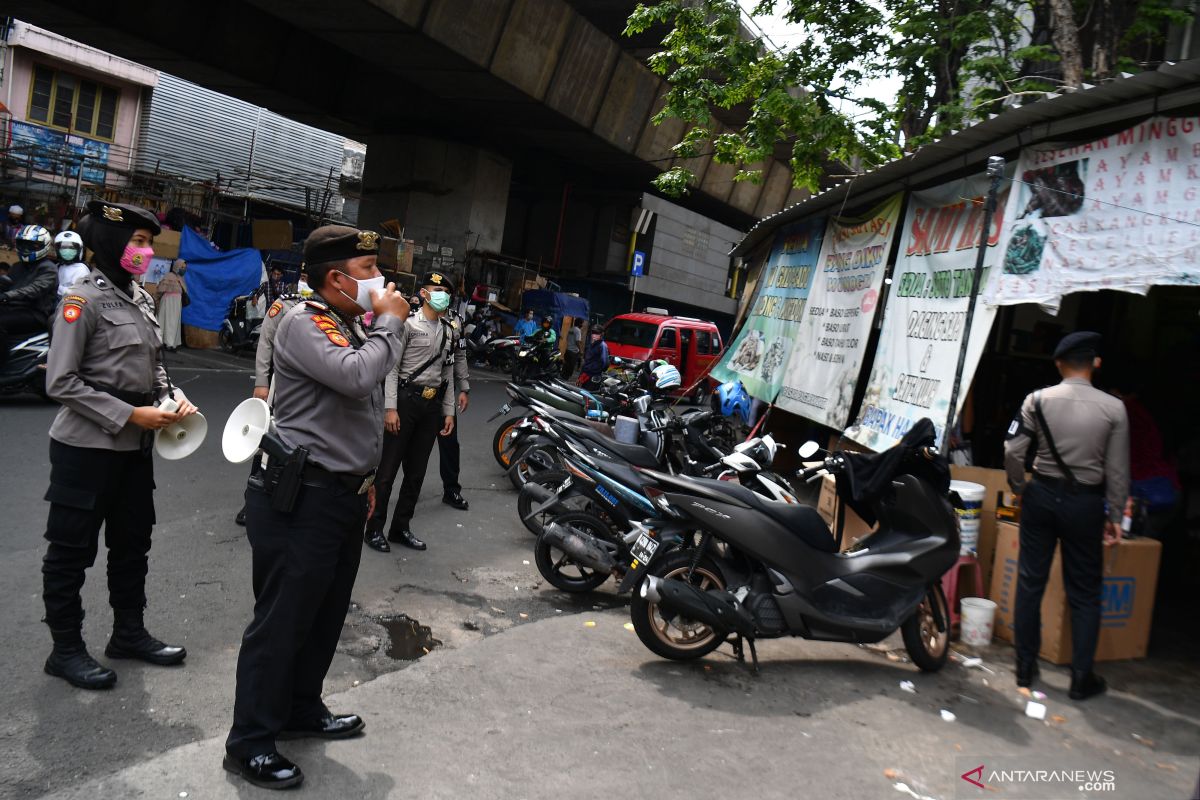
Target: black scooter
25, 370
769, 570
238, 330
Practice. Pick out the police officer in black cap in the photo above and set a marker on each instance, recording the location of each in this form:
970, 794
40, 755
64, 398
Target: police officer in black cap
105, 368
1081, 440
329, 410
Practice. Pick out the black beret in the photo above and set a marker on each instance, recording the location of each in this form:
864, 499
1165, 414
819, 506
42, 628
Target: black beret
1080, 344
120, 215
339, 243
436, 278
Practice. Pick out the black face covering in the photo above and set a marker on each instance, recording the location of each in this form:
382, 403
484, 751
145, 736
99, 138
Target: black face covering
107, 243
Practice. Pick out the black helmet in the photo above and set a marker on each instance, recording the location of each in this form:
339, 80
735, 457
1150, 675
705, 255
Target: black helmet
549, 318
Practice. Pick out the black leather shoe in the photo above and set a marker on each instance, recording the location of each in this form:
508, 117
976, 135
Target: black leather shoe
130, 639
71, 661
406, 538
456, 500
240, 519
1026, 673
375, 541
1086, 684
330, 726
267, 771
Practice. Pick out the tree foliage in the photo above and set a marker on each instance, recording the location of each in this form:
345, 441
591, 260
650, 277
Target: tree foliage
955, 61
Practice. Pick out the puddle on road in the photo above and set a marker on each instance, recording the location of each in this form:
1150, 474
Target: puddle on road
408, 639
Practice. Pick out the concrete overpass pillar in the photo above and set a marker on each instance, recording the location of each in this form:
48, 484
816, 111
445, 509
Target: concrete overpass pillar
445, 195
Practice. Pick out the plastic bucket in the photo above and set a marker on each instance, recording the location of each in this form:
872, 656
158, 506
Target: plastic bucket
972, 495
978, 617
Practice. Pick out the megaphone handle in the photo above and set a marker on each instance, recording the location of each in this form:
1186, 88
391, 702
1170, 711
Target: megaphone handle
162, 359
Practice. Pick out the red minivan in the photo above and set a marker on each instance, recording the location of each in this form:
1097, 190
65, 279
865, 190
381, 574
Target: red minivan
690, 344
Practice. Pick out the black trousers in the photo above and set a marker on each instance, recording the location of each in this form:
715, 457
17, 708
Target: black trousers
449, 463
90, 488
570, 362
420, 422
304, 566
1048, 516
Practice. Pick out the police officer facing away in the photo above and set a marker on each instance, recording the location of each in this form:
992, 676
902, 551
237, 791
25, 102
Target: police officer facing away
105, 368
420, 406
449, 461
1081, 436
329, 405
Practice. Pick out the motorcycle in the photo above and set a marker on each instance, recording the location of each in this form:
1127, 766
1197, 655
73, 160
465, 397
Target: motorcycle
238, 330
25, 370
537, 362
765, 569
497, 352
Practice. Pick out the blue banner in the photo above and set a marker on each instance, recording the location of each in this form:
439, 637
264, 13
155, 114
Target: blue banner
214, 278
59, 153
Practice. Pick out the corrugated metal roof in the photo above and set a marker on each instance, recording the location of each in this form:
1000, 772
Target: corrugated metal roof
1127, 98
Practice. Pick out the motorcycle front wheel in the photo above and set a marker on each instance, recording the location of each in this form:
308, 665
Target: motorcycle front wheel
671, 635
502, 439
558, 568
225, 340
532, 461
926, 645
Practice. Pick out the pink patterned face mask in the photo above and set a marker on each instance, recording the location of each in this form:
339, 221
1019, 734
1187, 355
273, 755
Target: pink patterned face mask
136, 260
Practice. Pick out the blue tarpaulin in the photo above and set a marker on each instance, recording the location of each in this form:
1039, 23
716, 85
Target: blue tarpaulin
560, 304
214, 278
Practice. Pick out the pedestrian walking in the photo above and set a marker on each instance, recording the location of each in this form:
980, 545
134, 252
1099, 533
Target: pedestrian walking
305, 552
1081, 436
105, 368
572, 355
172, 290
449, 461
68, 250
420, 406
526, 327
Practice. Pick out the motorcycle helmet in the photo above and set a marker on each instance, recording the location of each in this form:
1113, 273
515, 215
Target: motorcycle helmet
32, 243
548, 320
666, 377
69, 246
732, 399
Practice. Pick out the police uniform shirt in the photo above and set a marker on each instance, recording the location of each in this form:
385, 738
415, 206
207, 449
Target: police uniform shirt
266, 338
103, 337
328, 393
421, 339
462, 374
1091, 431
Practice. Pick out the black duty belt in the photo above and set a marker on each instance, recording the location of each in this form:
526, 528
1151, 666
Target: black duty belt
323, 478
1064, 485
426, 392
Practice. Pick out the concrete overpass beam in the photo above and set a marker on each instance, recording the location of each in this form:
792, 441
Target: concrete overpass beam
587, 60
469, 27
627, 103
531, 44
775, 188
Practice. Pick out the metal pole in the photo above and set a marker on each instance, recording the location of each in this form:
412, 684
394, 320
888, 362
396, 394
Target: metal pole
995, 171
629, 260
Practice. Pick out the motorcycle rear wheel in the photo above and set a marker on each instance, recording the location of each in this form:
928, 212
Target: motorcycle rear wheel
558, 568
225, 340
926, 645
532, 461
501, 439
678, 639
505, 362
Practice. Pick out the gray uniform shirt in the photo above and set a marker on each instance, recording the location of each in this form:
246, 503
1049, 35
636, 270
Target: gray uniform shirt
1090, 430
421, 339
462, 373
328, 393
266, 338
108, 338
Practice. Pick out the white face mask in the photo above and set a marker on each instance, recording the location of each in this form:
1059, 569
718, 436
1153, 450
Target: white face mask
365, 289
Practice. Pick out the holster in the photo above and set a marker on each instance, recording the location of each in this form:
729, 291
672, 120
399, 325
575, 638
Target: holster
281, 479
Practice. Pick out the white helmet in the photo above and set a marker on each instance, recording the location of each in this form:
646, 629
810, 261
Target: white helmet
15, 209
666, 376
70, 246
32, 243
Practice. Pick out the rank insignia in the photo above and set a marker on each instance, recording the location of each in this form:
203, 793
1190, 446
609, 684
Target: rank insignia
72, 311
275, 308
367, 240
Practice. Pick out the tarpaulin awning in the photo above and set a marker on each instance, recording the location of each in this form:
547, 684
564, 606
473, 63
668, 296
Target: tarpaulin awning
214, 278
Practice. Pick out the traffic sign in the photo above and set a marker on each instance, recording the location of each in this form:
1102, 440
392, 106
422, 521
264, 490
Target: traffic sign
639, 263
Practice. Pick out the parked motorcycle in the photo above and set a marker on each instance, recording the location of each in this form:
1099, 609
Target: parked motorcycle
25, 370
766, 569
238, 330
497, 352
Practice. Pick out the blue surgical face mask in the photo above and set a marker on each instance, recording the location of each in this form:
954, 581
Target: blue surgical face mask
439, 301
68, 255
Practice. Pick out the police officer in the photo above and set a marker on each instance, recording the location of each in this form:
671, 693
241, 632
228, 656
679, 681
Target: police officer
1081, 436
448, 449
105, 368
328, 401
419, 395
262, 359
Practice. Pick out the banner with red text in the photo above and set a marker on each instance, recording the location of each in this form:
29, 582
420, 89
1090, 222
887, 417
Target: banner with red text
925, 313
831, 339
1122, 212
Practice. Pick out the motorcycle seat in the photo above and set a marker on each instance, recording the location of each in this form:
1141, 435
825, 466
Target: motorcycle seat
623, 474
800, 520
635, 454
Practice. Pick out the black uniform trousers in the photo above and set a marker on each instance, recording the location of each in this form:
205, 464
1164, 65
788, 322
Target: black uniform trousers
304, 566
449, 461
1049, 515
90, 488
420, 422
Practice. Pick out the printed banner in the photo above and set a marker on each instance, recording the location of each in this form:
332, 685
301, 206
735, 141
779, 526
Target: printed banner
1122, 212
760, 352
925, 314
59, 153
832, 337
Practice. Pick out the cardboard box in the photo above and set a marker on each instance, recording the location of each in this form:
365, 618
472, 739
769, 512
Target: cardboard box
166, 245
271, 234
827, 505
1127, 600
994, 481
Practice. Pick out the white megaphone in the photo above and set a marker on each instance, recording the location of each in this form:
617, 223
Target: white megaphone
180, 439
248, 429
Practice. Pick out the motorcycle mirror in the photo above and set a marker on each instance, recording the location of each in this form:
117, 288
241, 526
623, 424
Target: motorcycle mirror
617, 360
808, 449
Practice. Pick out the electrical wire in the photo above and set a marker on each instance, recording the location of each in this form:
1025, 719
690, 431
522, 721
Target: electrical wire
1106, 203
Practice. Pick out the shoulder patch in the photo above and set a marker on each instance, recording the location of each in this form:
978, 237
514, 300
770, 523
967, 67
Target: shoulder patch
275, 308
315, 305
72, 311
337, 338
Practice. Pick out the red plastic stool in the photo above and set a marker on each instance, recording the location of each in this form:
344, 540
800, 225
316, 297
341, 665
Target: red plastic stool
951, 585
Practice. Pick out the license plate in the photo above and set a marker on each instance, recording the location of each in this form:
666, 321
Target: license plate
562, 487
643, 549
504, 409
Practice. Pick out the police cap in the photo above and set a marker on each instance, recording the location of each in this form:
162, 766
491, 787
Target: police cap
121, 215
1080, 344
439, 279
339, 243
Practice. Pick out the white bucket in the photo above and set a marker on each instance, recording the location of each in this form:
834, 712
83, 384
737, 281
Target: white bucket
626, 430
978, 616
972, 495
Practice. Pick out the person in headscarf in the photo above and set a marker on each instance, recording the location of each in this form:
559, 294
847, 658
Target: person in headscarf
171, 291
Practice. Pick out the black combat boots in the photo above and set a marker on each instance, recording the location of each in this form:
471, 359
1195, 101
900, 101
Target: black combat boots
71, 661
130, 639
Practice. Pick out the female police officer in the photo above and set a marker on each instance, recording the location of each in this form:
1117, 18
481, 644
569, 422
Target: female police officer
105, 369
